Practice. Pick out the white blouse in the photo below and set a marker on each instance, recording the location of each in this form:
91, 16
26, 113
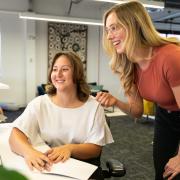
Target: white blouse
58, 126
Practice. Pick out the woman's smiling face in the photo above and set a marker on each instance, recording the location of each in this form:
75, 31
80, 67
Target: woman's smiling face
62, 74
116, 33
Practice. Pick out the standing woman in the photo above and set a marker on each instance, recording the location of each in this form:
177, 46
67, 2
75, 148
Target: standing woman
148, 66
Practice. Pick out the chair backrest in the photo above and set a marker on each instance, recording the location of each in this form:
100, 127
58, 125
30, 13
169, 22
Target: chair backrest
41, 89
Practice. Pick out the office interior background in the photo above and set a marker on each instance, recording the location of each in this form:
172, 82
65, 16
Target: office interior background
24, 65
24, 43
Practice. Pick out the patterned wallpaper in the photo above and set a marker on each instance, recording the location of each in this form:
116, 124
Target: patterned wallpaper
63, 36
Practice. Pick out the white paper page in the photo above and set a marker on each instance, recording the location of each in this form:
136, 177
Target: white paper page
72, 167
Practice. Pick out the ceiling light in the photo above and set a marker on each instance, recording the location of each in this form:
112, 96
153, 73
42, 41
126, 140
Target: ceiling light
150, 4
42, 17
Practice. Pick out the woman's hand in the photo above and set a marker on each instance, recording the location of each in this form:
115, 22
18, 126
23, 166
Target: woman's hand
172, 168
61, 153
106, 99
38, 160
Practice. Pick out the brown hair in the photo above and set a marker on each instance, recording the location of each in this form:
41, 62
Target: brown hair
83, 90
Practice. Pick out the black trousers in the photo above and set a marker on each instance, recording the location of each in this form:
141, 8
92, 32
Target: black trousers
166, 139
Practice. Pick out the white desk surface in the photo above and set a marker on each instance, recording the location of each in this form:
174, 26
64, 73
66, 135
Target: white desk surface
10, 159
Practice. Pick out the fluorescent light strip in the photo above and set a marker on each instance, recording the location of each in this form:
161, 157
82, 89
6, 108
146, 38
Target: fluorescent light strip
156, 5
41, 17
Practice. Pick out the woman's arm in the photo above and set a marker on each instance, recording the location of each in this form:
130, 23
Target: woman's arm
79, 151
19, 144
85, 151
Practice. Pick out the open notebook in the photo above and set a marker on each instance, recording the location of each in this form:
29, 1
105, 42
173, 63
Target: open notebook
71, 169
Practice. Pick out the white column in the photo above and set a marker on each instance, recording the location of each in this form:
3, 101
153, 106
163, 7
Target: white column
30, 60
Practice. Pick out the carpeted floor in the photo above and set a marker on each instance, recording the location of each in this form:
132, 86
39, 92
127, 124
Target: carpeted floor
133, 145
12, 115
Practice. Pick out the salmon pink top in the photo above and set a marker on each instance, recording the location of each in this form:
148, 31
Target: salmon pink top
156, 82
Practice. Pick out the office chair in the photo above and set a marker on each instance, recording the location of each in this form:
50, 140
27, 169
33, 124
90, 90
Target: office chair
41, 89
114, 169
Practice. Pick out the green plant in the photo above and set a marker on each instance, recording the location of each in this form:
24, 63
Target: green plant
6, 174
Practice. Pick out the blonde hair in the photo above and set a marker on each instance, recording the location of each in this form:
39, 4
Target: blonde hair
141, 33
83, 89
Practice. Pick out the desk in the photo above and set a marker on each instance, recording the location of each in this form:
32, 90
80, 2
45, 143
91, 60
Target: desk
5, 151
10, 159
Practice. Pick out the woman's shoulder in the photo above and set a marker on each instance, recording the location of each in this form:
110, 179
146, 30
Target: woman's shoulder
39, 99
168, 56
93, 102
167, 52
168, 48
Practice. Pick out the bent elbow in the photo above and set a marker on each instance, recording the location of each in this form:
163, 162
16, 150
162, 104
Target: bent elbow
137, 114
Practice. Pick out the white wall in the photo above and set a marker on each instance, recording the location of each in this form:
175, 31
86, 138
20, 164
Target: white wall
42, 52
93, 54
30, 58
13, 58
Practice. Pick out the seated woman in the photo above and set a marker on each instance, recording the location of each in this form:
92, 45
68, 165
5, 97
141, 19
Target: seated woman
67, 118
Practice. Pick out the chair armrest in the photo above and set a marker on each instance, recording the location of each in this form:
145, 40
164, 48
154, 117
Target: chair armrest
116, 168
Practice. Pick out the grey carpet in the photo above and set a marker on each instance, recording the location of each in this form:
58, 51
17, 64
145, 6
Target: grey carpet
12, 115
132, 146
